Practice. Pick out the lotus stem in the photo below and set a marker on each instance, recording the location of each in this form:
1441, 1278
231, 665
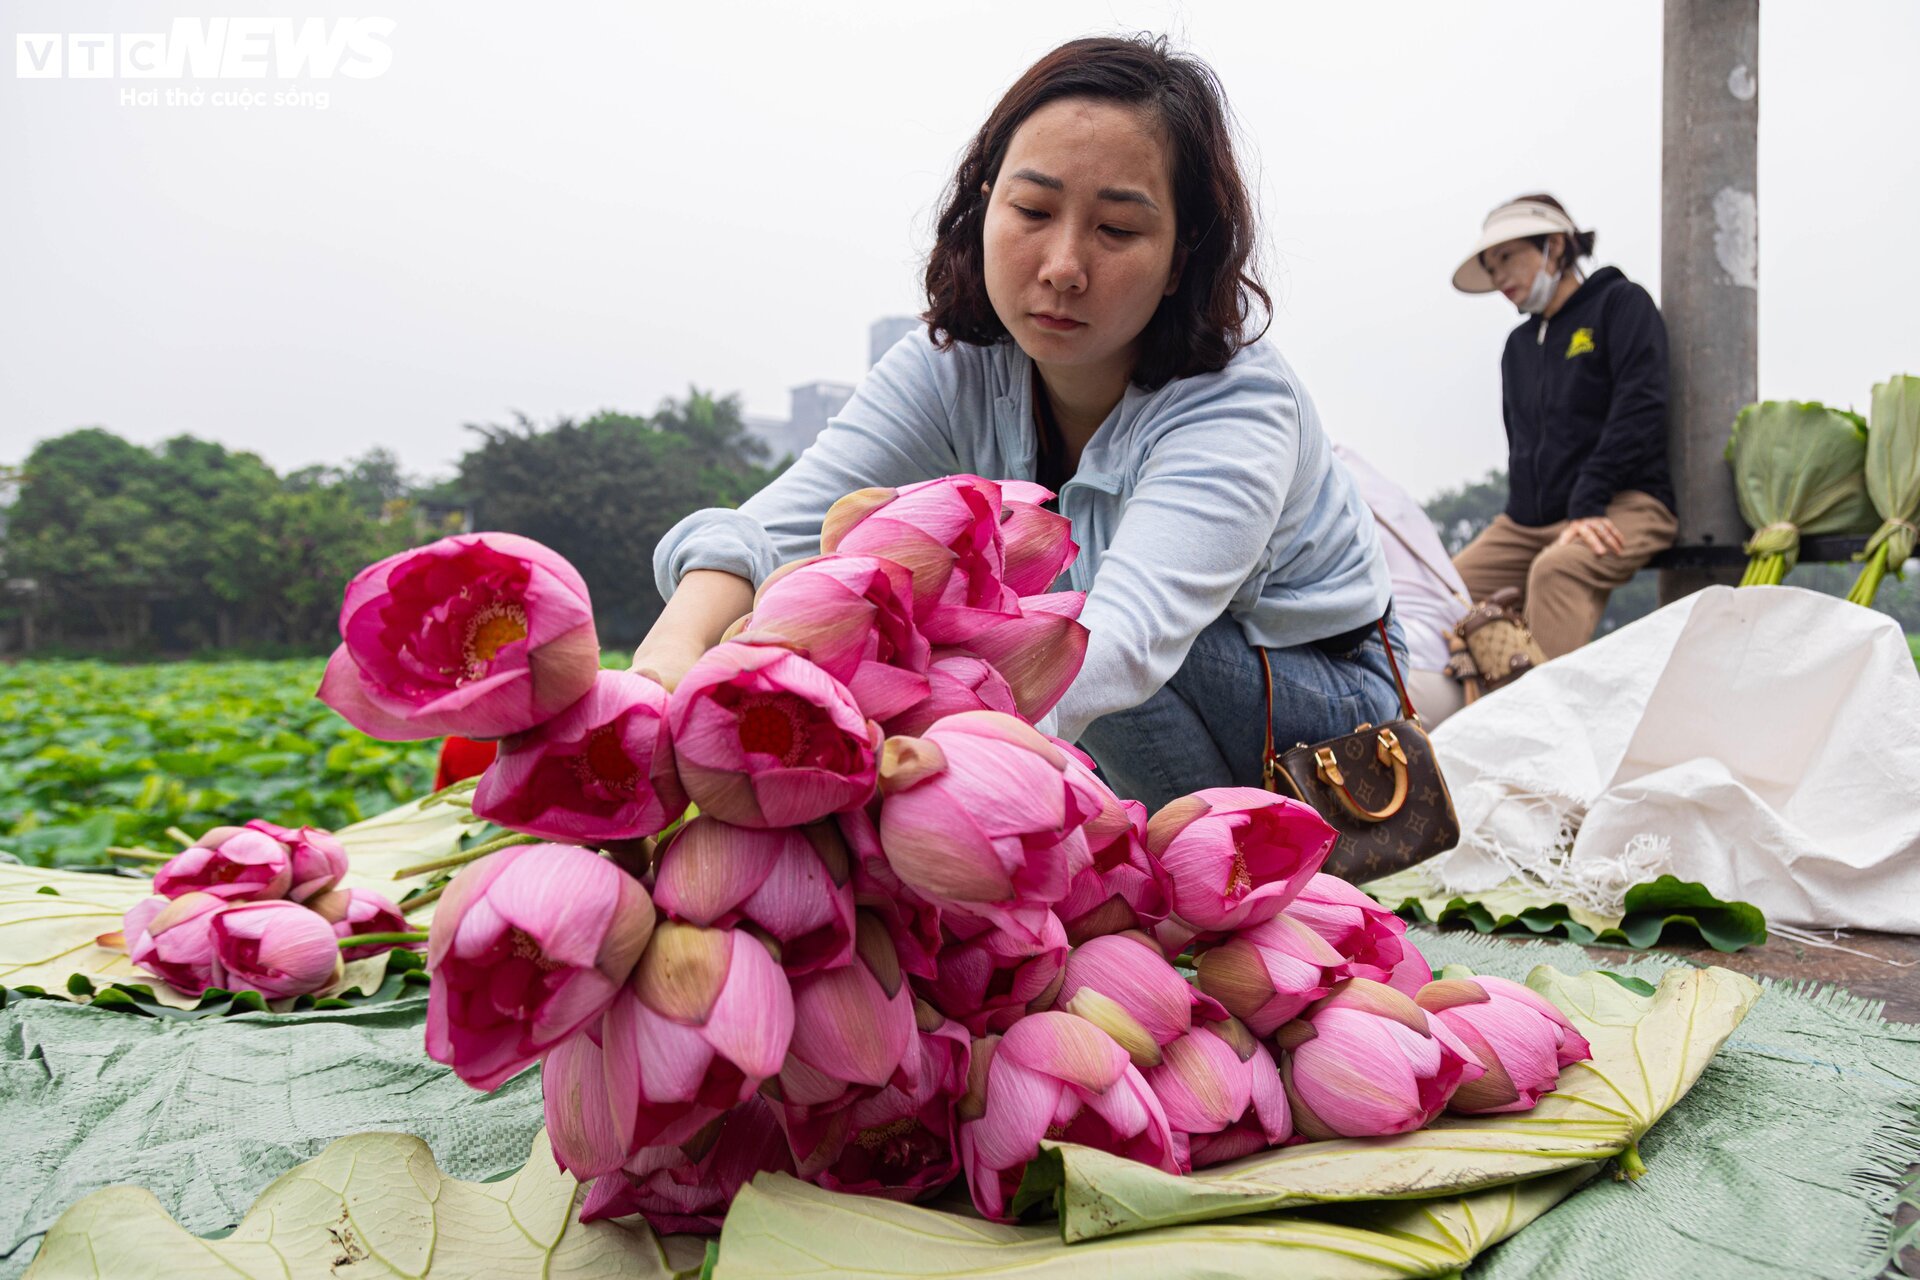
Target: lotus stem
1867, 585
430, 896
465, 856
186, 841
138, 855
450, 793
1629, 1165
382, 939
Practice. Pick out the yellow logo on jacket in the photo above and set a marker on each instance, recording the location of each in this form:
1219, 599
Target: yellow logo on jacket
1581, 344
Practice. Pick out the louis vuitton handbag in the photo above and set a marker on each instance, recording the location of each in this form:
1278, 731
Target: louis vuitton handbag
1380, 787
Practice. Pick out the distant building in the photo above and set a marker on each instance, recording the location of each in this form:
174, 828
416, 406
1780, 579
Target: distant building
884, 332
810, 406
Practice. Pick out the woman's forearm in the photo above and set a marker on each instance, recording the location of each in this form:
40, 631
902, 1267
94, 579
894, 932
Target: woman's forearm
705, 604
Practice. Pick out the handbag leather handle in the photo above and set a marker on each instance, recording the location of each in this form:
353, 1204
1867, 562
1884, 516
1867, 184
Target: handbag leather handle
1389, 752
1270, 758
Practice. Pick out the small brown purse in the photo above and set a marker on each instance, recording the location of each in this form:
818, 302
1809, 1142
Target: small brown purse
1379, 787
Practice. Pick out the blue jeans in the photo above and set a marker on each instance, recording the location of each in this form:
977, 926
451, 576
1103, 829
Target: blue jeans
1204, 728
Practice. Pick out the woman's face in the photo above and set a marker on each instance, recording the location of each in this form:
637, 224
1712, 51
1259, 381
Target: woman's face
1080, 226
1514, 263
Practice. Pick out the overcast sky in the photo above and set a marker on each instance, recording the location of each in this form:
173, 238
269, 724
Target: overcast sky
567, 207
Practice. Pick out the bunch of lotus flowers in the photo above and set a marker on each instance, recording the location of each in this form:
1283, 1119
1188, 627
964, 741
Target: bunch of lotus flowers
257, 908
862, 921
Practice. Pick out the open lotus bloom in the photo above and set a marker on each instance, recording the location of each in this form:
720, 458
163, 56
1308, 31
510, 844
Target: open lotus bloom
900, 1143
1038, 652
1053, 1075
853, 1033
1236, 855
235, 863
706, 1017
1038, 544
946, 533
603, 769
995, 977
1372, 939
792, 883
1367, 1061
528, 946
852, 616
956, 681
1267, 973
356, 911
1518, 1035
767, 739
1222, 1094
688, 1187
480, 635
277, 948
171, 939
981, 817
1124, 886
316, 858
1122, 984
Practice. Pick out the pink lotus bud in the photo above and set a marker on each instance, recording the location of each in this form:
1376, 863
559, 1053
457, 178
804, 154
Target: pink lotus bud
901, 1143
911, 921
237, 864
1124, 886
1123, 985
1366, 1061
981, 816
1039, 650
277, 948
946, 533
706, 1017
1053, 1075
853, 1032
172, 940
356, 911
1266, 974
1518, 1035
1236, 855
996, 977
1222, 1094
1372, 938
528, 945
956, 682
601, 770
1412, 973
480, 635
316, 857
793, 883
852, 616
1038, 544
688, 1187
767, 739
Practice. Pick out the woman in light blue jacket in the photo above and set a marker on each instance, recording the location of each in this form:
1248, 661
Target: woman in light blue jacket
1089, 293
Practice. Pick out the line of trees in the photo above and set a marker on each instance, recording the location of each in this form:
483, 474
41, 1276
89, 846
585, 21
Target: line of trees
187, 546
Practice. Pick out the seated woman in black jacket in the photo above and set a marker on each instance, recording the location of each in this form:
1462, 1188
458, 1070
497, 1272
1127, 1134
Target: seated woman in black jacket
1584, 396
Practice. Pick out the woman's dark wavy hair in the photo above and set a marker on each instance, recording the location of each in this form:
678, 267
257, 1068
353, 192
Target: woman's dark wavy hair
1203, 322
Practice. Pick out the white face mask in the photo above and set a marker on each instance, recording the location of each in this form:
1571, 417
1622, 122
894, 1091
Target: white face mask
1544, 283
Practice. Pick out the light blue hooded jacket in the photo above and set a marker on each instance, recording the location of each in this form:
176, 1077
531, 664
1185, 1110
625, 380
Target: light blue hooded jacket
1217, 493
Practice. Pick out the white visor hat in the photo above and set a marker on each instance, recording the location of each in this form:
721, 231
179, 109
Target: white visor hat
1513, 221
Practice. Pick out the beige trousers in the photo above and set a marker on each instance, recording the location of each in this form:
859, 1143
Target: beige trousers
1563, 590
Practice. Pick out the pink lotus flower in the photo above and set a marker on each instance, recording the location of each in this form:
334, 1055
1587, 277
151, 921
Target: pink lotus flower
172, 940
480, 635
853, 1033
980, 816
852, 616
277, 948
601, 770
1518, 1035
793, 883
1124, 887
237, 864
1222, 1094
901, 1143
1038, 651
1366, 1061
528, 945
1372, 938
911, 921
1122, 984
706, 1017
688, 1187
767, 739
317, 858
946, 532
956, 682
1038, 544
356, 911
1053, 1075
994, 978
1412, 973
1236, 855
1267, 973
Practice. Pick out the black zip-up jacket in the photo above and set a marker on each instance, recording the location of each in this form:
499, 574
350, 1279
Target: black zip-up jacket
1584, 395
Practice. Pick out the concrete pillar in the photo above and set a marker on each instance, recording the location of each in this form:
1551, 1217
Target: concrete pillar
1709, 262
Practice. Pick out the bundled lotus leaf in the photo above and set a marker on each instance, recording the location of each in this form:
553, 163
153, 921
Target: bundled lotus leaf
1893, 482
1798, 469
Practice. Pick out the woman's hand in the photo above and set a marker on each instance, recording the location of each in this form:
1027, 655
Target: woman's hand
665, 663
1597, 532
705, 604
